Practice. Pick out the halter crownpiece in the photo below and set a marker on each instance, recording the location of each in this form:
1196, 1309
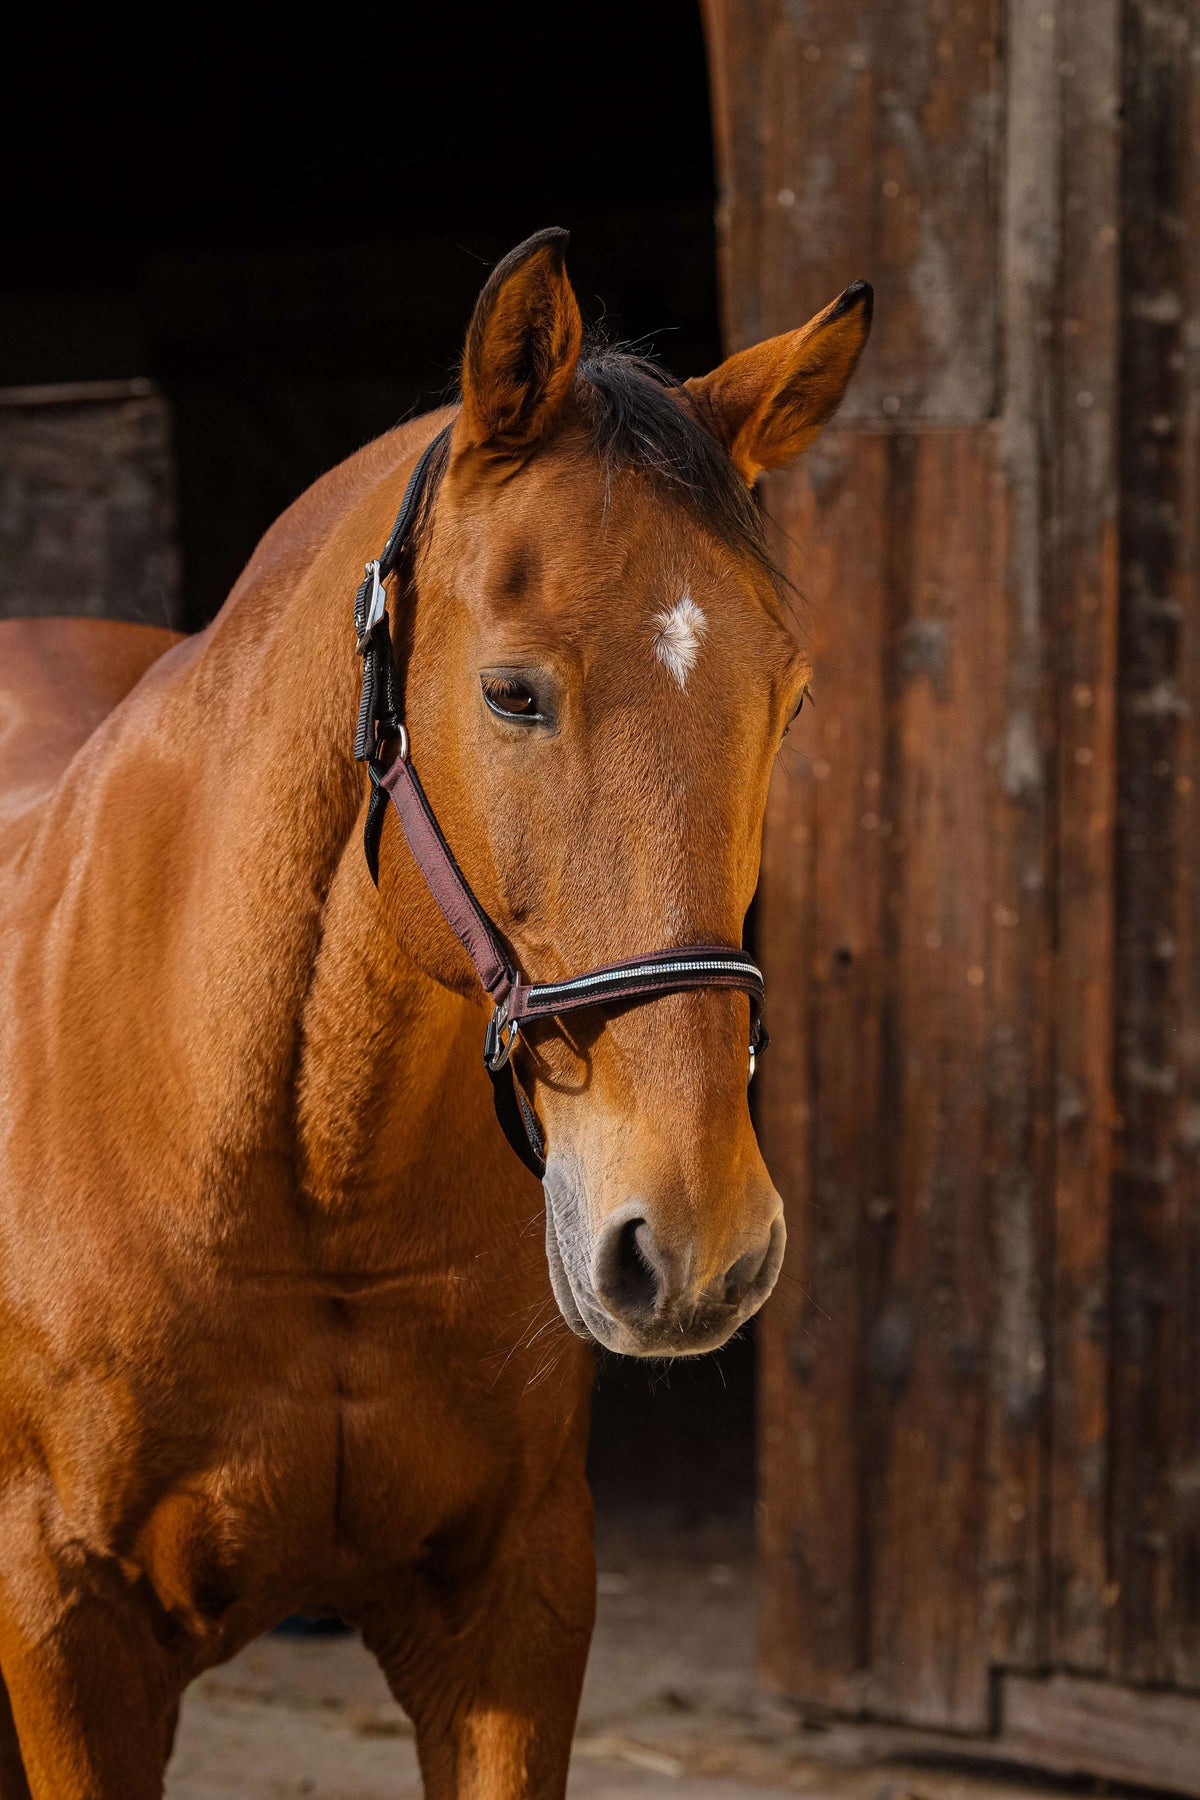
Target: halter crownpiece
515, 1002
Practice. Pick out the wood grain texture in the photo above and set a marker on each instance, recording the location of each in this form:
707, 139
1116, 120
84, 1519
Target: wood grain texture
1086, 1727
822, 913
982, 1422
1185, 1270
928, 1336
1155, 1500
858, 141
874, 1117
1082, 577
1020, 1061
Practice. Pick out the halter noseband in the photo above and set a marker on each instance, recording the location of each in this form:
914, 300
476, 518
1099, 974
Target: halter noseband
515, 1001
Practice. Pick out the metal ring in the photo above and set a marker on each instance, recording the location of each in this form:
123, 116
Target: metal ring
498, 1048
399, 737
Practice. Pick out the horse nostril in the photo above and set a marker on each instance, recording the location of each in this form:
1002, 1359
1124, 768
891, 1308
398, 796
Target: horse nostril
753, 1275
629, 1276
741, 1275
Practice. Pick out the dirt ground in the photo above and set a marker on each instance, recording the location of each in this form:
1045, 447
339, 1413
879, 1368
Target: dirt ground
670, 1709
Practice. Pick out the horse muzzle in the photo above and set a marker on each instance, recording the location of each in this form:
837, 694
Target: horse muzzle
641, 1289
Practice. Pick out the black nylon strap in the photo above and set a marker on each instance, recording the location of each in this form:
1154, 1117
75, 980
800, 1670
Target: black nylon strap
410, 503
517, 1120
379, 710
373, 829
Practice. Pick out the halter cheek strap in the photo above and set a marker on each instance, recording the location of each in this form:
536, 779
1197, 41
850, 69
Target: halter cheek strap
515, 1002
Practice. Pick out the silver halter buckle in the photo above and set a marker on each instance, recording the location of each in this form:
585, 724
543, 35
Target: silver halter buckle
376, 605
497, 1045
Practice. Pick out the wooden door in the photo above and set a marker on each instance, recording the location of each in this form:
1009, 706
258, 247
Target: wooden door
88, 503
981, 1387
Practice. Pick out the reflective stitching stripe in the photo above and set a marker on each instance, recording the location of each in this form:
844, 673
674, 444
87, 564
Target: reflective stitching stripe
538, 994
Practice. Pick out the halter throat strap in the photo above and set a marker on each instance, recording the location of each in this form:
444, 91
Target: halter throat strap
395, 782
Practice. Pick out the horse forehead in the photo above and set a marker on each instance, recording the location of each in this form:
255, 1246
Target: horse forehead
640, 574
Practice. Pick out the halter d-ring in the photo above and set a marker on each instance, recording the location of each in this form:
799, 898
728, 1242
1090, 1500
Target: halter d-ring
498, 1043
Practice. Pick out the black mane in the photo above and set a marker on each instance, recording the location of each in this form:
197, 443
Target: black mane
632, 410
632, 413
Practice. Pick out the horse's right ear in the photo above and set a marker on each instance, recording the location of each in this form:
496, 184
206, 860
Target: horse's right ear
522, 347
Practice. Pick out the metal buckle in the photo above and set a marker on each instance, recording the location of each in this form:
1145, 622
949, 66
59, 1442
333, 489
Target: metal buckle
399, 737
376, 606
497, 1048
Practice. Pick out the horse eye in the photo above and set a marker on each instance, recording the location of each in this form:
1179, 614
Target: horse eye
805, 694
510, 698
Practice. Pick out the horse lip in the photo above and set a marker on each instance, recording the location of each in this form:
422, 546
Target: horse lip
582, 1311
560, 1281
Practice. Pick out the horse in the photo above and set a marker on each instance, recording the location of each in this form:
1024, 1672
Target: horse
284, 1324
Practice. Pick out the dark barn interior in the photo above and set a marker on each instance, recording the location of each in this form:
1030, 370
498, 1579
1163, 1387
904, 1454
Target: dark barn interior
288, 240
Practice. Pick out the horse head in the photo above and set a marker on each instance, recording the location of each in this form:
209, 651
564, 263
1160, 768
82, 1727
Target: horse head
599, 676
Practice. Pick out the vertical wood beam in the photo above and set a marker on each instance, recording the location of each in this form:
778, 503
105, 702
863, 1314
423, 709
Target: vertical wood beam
1020, 1062
1082, 586
1155, 1505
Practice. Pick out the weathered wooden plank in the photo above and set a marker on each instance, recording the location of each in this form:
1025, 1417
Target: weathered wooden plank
1020, 1071
927, 1348
875, 1362
821, 929
1092, 1414
1082, 582
1098, 1728
860, 140
1156, 1423
1185, 1301
87, 506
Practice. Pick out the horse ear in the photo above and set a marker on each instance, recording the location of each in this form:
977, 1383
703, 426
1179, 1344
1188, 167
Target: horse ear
522, 347
767, 404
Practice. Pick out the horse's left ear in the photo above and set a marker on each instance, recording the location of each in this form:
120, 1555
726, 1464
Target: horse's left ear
768, 403
522, 347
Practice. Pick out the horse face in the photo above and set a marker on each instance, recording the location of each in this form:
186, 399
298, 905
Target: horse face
600, 682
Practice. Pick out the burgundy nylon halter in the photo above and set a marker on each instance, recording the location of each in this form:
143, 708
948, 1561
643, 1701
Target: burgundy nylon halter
515, 1001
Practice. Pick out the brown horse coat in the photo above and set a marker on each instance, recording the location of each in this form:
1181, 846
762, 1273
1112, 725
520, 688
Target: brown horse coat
276, 1324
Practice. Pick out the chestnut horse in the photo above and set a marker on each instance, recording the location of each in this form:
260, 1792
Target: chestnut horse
277, 1326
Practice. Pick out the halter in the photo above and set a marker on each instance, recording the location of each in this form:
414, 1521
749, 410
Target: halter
514, 1001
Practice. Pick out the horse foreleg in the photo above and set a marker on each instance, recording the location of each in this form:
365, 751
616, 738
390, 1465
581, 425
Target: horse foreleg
490, 1671
13, 1785
92, 1699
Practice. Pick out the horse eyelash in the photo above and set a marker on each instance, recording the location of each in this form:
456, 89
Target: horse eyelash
805, 694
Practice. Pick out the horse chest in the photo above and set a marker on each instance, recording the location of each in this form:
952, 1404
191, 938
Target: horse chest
336, 1444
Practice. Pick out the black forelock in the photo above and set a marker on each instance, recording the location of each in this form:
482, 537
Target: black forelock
636, 418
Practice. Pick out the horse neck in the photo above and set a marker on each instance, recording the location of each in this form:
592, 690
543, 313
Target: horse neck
260, 715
